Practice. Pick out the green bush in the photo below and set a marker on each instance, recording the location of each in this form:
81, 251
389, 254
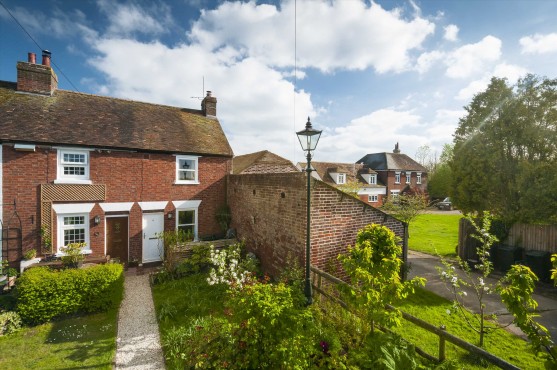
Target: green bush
45, 294
9, 322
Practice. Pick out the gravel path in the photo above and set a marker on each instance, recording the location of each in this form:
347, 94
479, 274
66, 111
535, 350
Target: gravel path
138, 343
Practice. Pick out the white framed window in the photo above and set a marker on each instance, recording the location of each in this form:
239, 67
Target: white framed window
418, 177
341, 178
187, 169
73, 228
186, 220
73, 166
397, 177
394, 193
408, 176
373, 198
373, 179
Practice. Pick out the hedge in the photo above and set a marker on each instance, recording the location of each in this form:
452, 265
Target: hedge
44, 294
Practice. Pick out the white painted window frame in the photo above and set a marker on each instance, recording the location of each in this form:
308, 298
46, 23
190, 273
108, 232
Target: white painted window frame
373, 179
397, 177
373, 198
188, 205
195, 159
72, 209
418, 178
72, 179
408, 177
341, 178
61, 227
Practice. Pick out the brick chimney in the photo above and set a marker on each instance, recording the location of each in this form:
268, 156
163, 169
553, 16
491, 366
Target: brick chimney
209, 105
36, 78
397, 149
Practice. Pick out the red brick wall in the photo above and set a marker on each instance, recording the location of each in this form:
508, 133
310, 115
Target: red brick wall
129, 177
269, 213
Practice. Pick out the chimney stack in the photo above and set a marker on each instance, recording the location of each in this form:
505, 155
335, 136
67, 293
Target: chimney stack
397, 150
209, 105
36, 78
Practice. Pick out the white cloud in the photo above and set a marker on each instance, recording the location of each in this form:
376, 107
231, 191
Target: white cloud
369, 36
427, 60
451, 32
126, 19
473, 58
539, 44
503, 70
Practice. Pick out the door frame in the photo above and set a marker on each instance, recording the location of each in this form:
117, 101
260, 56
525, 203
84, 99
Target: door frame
143, 214
106, 229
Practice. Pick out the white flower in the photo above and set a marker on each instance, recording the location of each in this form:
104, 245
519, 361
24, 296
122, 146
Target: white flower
481, 282
444, 274
454, 279
464, 294
448, 311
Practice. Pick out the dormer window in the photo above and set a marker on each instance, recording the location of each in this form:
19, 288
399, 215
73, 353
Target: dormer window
397, 177
341, 178
73, 166
408, 175
373, 179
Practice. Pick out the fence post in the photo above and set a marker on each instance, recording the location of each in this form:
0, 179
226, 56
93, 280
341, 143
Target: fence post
319, 278
442, 345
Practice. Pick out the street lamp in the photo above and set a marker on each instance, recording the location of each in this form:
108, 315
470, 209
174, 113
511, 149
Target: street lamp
308, 140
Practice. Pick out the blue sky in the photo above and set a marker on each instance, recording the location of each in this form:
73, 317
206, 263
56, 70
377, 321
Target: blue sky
369, 74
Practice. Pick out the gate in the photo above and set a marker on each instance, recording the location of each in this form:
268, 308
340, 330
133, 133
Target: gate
11, 236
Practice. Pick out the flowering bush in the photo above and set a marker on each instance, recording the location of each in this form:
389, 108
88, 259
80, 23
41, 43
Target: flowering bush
229, 267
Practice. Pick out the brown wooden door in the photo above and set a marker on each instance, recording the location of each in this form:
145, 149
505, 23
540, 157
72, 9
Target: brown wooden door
117, 238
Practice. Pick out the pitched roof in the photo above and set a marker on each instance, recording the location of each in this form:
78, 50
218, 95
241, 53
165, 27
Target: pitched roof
70, 118
353, 172
391, 161
261, 162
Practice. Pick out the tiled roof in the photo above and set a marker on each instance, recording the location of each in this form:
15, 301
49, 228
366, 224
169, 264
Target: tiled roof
353, 172
261, 162
391, 161
69, 118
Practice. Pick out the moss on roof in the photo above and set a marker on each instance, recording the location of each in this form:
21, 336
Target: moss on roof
69, 118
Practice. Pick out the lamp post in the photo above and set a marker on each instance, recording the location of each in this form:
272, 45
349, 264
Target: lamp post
308, 140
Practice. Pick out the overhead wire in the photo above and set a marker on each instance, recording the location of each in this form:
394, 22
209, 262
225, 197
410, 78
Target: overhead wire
36, 43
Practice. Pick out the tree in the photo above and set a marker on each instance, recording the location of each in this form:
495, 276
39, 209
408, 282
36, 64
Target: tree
440, 181
351, 187
426, 158
507, 134
405, 207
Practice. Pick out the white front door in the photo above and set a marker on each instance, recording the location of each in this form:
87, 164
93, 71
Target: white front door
153, 224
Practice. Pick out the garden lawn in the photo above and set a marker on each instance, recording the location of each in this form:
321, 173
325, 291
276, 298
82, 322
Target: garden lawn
434, 234
84, 342
433, 309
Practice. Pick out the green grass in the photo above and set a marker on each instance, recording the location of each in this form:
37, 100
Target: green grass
433, 309
434, 233
84, 342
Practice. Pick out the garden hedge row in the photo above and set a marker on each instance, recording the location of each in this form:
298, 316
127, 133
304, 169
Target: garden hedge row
45, 294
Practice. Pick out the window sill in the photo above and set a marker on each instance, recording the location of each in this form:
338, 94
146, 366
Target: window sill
186, 183
73, 181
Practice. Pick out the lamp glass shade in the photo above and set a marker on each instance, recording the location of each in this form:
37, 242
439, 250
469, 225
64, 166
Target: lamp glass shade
308, 138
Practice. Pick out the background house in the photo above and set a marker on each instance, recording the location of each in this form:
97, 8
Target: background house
363, 179
109, 172
261, 162
400, 173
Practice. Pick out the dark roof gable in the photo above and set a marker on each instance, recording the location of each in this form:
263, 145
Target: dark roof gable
69, 118
391, 161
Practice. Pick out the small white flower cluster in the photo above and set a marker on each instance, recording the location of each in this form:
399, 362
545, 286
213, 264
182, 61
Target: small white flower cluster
227, 269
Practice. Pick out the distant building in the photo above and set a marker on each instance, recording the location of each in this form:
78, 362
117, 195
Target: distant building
261, 162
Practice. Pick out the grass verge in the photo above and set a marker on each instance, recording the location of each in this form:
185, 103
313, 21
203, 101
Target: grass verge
84, 342
434, 233
433, 309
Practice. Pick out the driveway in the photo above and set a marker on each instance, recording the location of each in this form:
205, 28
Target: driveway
425, 265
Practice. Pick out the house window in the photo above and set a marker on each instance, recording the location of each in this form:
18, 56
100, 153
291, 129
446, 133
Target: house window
408, 175
73, 166
394, 193
186, 170
341, 178
73, 228
397, 177
418, 178
373, 179
186, 221
373, 198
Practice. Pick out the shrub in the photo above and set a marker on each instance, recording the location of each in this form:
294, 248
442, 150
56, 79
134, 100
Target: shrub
30, 254
45, 294
73, 254
9, 322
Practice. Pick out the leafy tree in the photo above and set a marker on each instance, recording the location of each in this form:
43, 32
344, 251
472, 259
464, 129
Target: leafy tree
440, 180
405, 207
507, 135
373, 266
426, 158
351, 187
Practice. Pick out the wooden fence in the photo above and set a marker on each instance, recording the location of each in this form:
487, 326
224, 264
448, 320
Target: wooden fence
321, 278
536, 237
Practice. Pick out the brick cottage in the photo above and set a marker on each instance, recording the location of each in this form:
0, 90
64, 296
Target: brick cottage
108, 172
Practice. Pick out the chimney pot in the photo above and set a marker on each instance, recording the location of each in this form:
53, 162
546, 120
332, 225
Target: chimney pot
31, 58
46, 58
